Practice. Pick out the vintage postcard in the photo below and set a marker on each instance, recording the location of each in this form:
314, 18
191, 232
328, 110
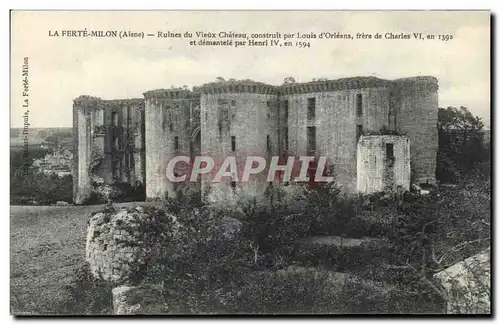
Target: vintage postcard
250, 162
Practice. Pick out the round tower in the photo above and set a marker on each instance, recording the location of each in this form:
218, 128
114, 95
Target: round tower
417, 118
238, 119
167, 134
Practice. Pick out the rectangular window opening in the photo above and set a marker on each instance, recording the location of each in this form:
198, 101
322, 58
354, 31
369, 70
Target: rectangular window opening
176, 143
116, 143
233, 184
359, 132
359, 105
285, 107
233, 143
389, 150
311, 108
311, 139
114, 118
116, 169
268, 143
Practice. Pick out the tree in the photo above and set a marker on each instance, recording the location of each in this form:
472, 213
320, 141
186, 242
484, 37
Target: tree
289, 80
460, 119
52, 140
461, 143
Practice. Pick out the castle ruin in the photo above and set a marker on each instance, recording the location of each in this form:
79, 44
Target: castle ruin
376, 133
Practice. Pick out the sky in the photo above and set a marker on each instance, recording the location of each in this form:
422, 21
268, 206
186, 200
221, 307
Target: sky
63, 68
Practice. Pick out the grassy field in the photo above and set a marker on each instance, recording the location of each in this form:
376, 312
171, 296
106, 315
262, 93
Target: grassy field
47, 245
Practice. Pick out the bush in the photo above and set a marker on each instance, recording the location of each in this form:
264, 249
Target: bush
371, 298
39, 189
116, 192
205, 257
281, 223
271, 293
183, 202
88, 295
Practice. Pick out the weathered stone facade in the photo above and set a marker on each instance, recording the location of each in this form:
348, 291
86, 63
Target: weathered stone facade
109, 143
247, 118
383, 163
171, 129
120, 243
238, 120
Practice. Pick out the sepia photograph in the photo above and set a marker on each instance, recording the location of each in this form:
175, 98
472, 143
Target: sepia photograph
250, 163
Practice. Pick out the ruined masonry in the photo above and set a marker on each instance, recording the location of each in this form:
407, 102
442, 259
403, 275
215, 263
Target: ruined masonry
121, 242
121, 245
378, 169
378, 134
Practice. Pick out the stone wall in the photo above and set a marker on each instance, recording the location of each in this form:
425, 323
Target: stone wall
254, 114
168, 132
336, 122
108, 145
417, 118
121, 242
239, 117
377, 172
83, 106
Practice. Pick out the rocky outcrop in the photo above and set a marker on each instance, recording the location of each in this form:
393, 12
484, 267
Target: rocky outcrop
467, 285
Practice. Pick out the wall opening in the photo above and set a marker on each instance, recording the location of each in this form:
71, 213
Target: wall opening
389, 150
268, 144
224, 120
359, 105
392, 122
195, 143
311, 139
311, 108
114, 118
233, 143
116, 143
116, 170
392, 113
176, 143
389, 154
359, 132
